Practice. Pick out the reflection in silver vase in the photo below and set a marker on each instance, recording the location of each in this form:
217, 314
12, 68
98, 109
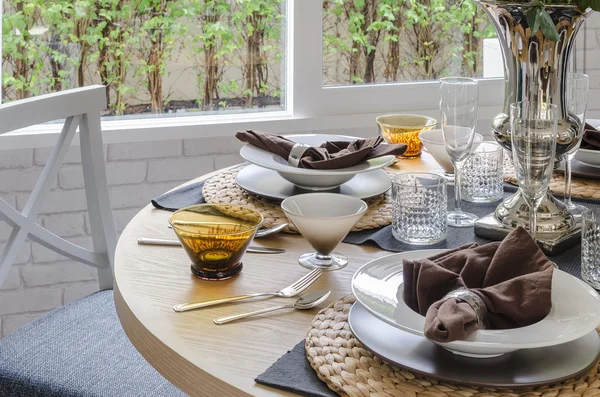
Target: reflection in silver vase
535, 69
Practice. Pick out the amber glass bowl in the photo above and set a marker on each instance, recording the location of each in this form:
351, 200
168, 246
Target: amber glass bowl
405, 128
215, 237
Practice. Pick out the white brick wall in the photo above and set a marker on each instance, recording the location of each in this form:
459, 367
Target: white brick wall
588, 60
136, 172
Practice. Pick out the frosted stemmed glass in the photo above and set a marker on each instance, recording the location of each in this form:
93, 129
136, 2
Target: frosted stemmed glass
577, 93
324, 219
459, 98
533, 136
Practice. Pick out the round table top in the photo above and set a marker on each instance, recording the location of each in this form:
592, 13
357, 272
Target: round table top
197, 356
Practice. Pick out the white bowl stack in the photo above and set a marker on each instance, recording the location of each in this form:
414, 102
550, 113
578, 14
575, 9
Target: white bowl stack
312, 179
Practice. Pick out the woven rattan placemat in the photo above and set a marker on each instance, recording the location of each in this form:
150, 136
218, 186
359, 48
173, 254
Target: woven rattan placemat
351, 370
222, 188
580, 187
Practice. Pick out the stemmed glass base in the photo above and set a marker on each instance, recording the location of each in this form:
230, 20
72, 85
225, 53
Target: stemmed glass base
461, 219
575, 209
314, 260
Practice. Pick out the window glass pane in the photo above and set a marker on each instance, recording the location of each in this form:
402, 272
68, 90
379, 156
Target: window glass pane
154, 56
382, 41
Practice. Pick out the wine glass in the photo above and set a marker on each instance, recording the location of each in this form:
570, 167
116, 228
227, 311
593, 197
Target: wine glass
459, 98
576, 98
533, 136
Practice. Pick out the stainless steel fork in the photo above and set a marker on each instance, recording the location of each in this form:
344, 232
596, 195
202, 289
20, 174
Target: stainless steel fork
287, 292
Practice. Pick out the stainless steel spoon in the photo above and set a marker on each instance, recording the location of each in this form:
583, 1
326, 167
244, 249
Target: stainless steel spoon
264, 232
307, 301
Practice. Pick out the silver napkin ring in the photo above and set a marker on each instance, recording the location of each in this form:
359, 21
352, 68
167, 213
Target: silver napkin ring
296, 154
473, 300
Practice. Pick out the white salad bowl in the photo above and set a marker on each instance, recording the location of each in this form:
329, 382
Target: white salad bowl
311, 179
433, 140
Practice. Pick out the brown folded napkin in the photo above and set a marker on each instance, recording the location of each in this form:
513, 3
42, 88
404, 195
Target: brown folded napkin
512, 277
330, 155
591, 138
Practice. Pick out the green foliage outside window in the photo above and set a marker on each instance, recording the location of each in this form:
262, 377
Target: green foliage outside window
407, 40
232, 50
127, 45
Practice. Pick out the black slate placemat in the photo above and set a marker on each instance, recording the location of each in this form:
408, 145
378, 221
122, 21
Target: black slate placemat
569, 261
183, 197
292, 372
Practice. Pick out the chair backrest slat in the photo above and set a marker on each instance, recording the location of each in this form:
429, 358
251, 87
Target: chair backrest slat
44, 182
81, 108
60, 105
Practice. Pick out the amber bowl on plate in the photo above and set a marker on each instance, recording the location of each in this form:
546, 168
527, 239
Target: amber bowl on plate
405, 128
215, 237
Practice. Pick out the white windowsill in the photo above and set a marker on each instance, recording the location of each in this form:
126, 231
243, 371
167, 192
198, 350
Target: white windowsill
190, 127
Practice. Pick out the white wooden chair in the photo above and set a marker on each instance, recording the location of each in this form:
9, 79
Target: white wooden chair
79, 349
81, 108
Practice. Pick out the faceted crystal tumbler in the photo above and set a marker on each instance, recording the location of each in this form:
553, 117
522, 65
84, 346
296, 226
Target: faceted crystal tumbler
590, 248
419, 208
324, 219
483, 174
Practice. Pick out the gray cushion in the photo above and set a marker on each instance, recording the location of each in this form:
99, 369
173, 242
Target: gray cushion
77, 350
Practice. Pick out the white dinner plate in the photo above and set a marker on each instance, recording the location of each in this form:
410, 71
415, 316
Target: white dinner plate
588, 157
526, 367
310, 179
270, 184
575, 310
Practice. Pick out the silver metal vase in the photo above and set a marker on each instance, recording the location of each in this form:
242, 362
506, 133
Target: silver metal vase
535, 69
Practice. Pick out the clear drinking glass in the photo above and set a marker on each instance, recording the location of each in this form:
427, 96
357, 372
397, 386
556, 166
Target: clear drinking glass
590, 248
533, 128
459, 98
419, 208
577, 93
483, 174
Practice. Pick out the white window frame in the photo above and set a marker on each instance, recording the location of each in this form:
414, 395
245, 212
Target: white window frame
310, 106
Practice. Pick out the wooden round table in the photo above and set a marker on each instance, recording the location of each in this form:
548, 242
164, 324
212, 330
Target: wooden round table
197, 356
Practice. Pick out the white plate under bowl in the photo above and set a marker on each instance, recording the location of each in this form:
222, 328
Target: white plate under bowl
575, 310
526, 367
588, 157
310, 179
270, 184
